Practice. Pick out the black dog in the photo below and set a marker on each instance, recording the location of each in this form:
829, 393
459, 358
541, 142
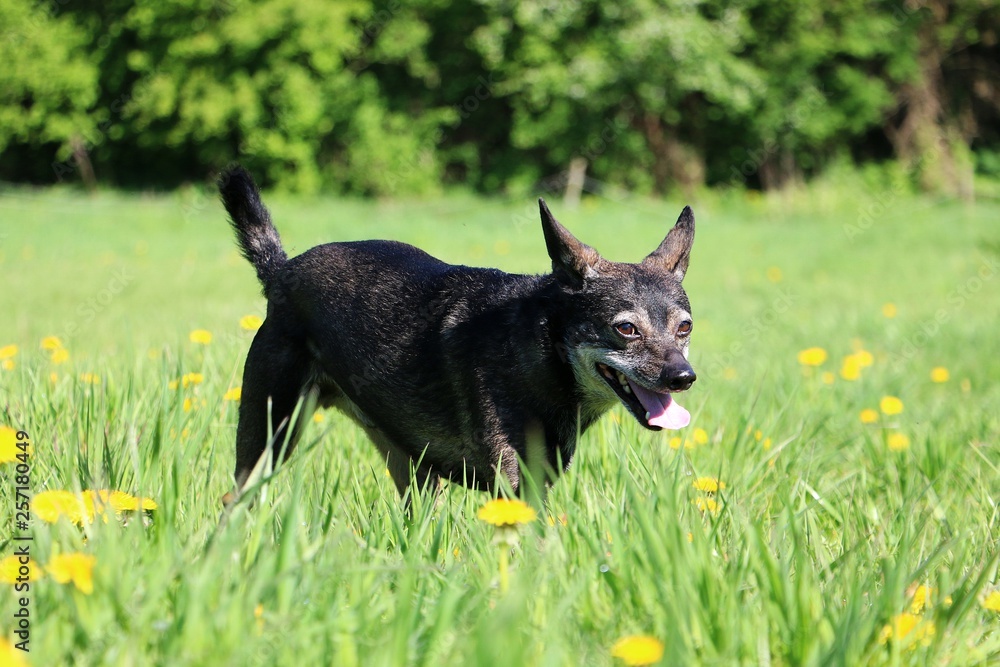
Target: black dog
454, 370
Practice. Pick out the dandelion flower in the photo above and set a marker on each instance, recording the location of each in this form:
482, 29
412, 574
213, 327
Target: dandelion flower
50, 505
708, 484
898, 442
250, 322
869, 416
991, 601
59, 356
814, 356
10, 656
8, 352
774, 274
850, 370
921, 599
90, 378
11, 572
121, 502
939, 374
707, 504
200, 336
51, 343
674, 442
8, 364
191, 379
638, 650
700, 436
907, 625
891, 405
889, 310
8, 445
319, 418
234, 394
504, 512
863, 358
75, 567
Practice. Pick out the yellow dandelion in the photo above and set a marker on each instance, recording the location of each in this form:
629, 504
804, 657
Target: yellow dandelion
59, 356
173, 384
8, 364
51, 343
674, 442
50, 505
939, 374
707, 504
250, 322
891, 405
121, 502
13, 571
8, 445
191, 379
774, 274
898, 442
758, 435
991, 601
863, 358
828, 377
319, 418
850, 370
700, 436
90, 378
8, 352
234, 394
813, 356
189, 405
75, 567
889, 310
921, 599
908, 625
10, 655
504, 512
767, 445
708, 484
869, 416
200, 336
638, 650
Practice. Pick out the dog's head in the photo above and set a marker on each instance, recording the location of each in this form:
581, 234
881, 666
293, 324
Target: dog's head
627, 328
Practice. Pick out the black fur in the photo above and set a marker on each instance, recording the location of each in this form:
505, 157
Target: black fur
450, 368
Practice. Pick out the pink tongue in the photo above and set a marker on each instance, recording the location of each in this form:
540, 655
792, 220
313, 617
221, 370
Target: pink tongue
663, 410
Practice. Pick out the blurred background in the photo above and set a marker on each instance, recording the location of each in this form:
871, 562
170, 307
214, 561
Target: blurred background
405, 98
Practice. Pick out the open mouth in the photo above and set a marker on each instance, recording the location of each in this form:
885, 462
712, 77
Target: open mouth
652, 409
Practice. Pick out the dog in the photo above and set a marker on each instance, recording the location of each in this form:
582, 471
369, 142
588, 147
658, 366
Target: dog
455, 372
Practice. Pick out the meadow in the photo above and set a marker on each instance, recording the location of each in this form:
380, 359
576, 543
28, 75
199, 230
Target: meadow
834, 501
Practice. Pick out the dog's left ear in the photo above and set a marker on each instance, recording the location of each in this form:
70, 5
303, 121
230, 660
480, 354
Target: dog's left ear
572, 261
675, 251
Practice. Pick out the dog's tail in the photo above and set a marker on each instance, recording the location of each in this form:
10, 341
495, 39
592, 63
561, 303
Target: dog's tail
258, 238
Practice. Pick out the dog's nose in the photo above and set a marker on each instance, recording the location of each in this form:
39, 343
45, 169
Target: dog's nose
682, 380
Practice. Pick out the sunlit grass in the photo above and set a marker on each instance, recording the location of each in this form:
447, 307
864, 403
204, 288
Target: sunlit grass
786, 526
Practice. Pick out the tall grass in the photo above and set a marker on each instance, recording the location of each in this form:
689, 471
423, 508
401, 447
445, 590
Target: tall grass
814, 547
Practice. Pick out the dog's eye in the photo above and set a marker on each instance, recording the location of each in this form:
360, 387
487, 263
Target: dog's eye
627, 329
684, 328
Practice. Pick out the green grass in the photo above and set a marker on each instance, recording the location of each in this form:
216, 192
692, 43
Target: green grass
815, 544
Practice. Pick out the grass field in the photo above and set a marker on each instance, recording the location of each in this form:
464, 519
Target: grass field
833, 541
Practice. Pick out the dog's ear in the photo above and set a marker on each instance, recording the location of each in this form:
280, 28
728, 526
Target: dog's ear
675, 251
572, 261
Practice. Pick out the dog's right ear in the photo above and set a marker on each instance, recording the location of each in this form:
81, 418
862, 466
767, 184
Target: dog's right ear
572, 261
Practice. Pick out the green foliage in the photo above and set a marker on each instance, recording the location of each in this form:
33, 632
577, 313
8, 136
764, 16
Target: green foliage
47, 85
386, 97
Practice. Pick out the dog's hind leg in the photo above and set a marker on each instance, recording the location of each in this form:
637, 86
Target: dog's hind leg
277, 370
